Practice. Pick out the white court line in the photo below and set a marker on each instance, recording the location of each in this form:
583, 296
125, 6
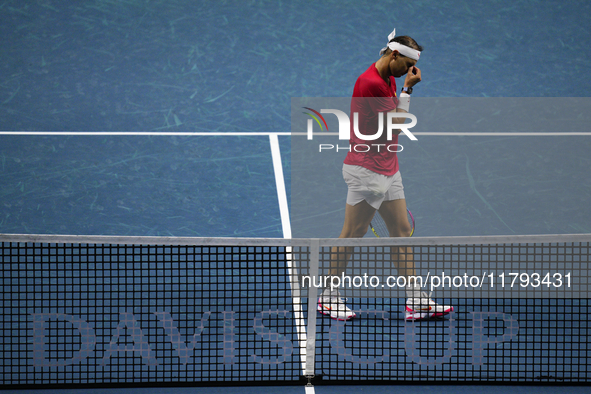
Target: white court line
503, 134
280, 183
145, 133
269, 133
291, 271
482, 134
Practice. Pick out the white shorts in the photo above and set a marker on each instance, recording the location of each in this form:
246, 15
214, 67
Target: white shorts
370, 186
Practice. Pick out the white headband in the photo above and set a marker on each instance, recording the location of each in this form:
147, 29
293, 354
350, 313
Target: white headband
402, 49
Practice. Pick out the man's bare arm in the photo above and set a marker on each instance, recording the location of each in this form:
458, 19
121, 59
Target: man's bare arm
413, 76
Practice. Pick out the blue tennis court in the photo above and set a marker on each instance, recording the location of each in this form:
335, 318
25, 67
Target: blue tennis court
173, 119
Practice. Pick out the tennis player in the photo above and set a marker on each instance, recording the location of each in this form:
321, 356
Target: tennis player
373, 179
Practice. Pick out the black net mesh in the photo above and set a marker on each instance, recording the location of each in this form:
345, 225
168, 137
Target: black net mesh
120, 313
85, 313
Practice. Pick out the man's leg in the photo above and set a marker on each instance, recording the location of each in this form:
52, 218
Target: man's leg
418, 305
357, 220
394, 215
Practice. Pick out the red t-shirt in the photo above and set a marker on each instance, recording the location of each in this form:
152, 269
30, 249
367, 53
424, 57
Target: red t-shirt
381, 99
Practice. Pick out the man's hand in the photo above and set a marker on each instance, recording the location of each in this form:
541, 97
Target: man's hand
413, 76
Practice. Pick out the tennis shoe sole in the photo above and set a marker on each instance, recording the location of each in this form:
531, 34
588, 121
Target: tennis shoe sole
328, 311
411, 314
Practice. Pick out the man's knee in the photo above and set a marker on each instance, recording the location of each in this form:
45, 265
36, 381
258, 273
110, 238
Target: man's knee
354, 231
402, 230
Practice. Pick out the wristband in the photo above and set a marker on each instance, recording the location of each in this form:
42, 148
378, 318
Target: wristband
404, 101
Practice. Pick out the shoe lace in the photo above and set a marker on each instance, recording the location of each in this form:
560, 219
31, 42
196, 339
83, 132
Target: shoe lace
425, 295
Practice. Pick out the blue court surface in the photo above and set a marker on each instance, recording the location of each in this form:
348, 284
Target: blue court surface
173, 118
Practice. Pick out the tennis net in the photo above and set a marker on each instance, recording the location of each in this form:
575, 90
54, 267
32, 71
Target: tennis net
94, 310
